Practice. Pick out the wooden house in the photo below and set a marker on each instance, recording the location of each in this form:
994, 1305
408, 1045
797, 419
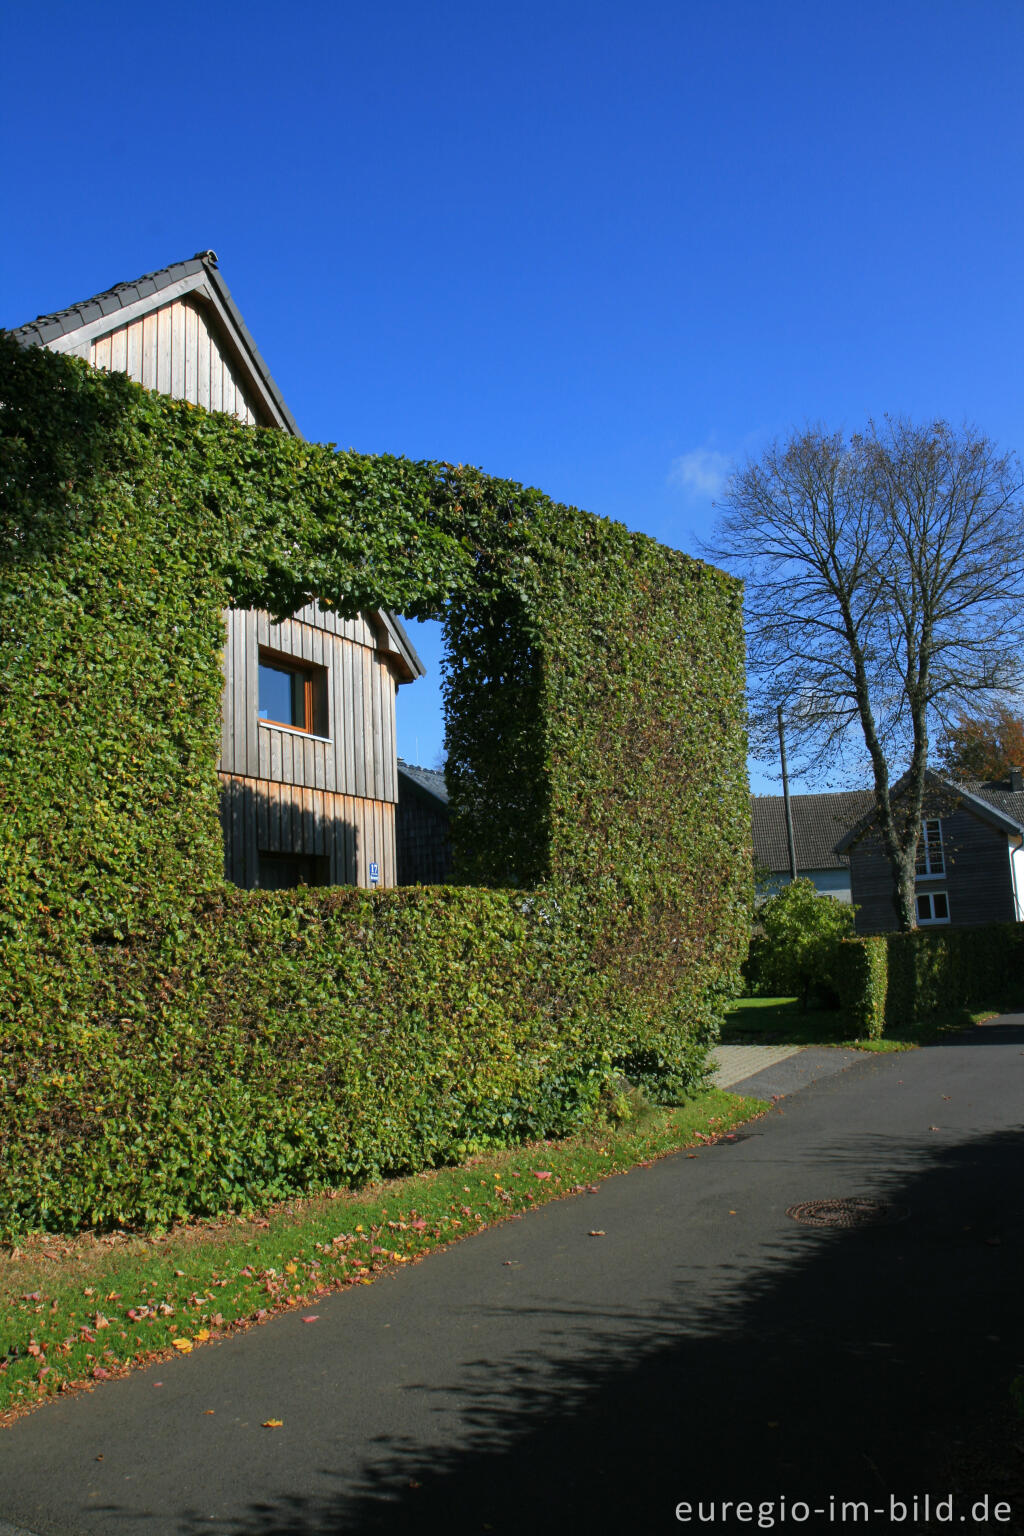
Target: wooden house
308, 761
970, 864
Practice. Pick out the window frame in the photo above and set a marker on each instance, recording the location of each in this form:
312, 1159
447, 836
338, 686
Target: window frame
930, 897
315, 694
930, 867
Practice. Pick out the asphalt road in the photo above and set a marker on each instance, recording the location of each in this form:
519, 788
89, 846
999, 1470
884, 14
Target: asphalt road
535, 1378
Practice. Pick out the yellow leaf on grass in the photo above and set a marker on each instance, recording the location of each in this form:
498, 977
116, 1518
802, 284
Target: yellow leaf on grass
202, 1335
290, 1268
184, 1345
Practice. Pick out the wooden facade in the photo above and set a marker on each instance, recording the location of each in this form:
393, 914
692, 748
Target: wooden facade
176, 351
977, 874
317, 803
333, 794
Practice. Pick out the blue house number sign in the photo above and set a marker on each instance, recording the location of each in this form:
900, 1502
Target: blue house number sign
374, 873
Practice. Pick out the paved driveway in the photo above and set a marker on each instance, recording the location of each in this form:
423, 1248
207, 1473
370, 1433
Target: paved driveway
536, 1378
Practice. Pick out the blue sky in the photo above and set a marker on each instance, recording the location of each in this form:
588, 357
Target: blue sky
604, 249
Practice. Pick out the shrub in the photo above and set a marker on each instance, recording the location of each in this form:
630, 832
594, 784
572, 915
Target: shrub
169, 1045
796, 951
899, 979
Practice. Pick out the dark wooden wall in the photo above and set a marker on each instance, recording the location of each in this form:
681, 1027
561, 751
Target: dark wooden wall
977, 879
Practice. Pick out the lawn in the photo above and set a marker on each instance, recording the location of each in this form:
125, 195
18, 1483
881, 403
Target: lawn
80, 1308
779, 1021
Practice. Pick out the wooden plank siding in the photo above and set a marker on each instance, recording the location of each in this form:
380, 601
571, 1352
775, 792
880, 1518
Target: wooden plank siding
288, 777
976, 879
283, 791
348, 830
174, 350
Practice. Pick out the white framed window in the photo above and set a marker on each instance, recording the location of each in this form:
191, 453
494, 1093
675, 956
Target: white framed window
932, 907
930, 857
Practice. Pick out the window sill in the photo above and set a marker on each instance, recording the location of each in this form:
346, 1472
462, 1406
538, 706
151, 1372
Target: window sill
292, 730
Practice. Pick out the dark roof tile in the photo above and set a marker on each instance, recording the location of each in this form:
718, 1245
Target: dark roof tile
819, 821
430, 779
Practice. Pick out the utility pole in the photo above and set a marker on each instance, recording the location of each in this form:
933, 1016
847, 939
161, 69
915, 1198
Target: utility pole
785, 797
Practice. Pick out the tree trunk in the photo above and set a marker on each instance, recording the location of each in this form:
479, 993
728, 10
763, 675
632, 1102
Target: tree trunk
905, 891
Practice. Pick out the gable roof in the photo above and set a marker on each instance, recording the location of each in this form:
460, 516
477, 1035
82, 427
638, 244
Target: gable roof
819, 822
995, 802
69, 329
200, 274
430, 779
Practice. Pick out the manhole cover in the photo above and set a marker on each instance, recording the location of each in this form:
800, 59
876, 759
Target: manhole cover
858, 1211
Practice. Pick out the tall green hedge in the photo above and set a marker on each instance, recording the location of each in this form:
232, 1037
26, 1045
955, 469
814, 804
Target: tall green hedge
171, 1045
897, 979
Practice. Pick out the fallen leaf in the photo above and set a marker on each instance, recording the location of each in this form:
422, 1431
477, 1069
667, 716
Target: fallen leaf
933, 1127
314, 1318
290, 1268
99, 1373
202, 1335
597, 1233
539, 1175
183, 1346
272, 1423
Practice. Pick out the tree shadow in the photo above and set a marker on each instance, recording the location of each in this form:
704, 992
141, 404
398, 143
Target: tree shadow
844, 1364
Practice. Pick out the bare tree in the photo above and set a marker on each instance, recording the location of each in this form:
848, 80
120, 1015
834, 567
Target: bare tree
885, 592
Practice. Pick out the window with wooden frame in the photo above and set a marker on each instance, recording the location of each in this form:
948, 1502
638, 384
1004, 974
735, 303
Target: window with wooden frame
292, 693
932, 907
931, 861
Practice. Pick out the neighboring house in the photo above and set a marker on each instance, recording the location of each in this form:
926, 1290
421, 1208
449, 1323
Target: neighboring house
819, 824
970, 867
422, 831
308, 763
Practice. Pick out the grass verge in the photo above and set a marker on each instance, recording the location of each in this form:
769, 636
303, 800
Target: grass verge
779, 1021
75, 1310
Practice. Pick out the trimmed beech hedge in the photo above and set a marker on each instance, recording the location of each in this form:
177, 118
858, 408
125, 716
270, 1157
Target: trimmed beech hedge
170, 1045
904, 978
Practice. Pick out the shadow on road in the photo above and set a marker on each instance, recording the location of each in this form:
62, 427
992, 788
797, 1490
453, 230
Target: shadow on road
854, 1363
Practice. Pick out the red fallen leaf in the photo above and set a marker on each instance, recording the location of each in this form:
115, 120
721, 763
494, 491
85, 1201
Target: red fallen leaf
217, 1319
35, 1349
545, 1175
598, 1233
315, 1318
32, 1296
419, 1226
87, 1334
99, 1373
261, 1314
